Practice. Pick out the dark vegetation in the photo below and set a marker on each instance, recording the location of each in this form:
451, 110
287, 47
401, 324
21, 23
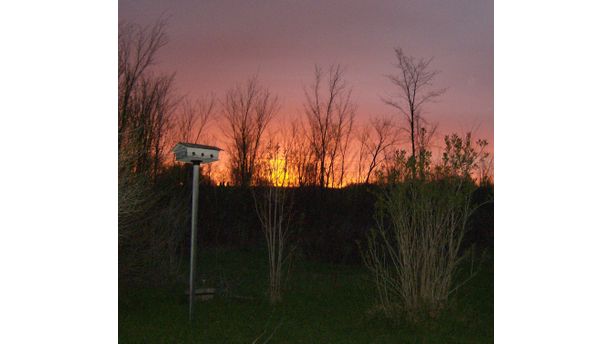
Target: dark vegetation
330, 223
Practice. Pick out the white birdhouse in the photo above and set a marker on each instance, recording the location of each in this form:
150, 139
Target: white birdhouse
191, 152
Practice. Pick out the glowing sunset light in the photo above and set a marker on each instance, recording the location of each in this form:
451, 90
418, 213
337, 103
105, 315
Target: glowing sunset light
279, 174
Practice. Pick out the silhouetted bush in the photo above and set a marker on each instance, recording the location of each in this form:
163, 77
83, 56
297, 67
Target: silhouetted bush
414, 250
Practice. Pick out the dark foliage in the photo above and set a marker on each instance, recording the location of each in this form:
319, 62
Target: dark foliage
330, 224
481, 226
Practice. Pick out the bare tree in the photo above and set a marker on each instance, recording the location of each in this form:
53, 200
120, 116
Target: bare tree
146, 100
137, 49
375, 140
193, 118
300, 163
151, 115
247, 110
329, 113
414, 83
342, 140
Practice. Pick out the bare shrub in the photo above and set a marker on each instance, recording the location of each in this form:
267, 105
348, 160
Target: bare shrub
273, 208
414, 250
132, 197
152, 221
150, 253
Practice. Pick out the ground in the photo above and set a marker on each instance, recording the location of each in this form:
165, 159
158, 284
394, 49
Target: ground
323, 303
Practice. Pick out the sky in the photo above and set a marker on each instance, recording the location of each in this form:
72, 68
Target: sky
213, 45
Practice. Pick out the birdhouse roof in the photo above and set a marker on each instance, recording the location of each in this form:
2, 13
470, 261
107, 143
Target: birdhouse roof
195, 145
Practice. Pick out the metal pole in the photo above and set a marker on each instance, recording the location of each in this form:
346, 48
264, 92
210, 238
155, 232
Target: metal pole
194, 232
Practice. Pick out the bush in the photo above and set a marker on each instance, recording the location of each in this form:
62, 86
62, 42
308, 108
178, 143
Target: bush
413, 251
153, 221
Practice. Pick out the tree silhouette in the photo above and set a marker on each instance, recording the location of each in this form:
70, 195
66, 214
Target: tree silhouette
413, 82
330, 114
247, 110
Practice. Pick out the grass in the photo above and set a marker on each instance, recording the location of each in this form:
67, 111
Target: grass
322, 304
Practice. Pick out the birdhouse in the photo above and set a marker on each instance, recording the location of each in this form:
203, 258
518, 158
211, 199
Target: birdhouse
194, 153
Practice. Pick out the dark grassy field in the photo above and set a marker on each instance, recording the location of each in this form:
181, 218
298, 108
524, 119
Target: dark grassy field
322, 304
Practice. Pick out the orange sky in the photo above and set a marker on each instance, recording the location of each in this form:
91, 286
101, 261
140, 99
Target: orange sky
215, 44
